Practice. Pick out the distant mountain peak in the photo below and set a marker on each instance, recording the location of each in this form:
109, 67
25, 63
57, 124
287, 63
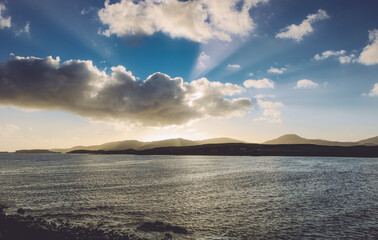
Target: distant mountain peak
287, 139
291, 136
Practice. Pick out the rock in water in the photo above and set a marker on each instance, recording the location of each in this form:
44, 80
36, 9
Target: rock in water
177, 229
158, 226
20, 211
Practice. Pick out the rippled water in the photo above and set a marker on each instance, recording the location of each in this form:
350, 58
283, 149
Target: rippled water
213, 197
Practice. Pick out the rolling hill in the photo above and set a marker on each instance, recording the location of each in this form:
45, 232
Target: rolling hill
139, 145
295, 139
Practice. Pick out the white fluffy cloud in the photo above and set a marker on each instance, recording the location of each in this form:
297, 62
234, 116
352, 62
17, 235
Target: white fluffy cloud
270, 113
373, 92
276, 70
233, 66
305, 83
262, 83
297, 32
329, 53
369, 55
347, 59
341, 56
269, 104
79, 87
5, 22
196, 20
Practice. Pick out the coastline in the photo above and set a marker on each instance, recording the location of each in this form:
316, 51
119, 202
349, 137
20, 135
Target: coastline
20, 227
17, 227
245, 149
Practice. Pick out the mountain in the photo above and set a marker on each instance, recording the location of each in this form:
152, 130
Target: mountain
370, 141
295, 139
219, 140
138, 145
177, 142
120, 145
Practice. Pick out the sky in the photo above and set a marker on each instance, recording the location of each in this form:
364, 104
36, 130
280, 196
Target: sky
80, 72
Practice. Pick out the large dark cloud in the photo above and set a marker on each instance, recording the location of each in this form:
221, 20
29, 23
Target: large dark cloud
79, 87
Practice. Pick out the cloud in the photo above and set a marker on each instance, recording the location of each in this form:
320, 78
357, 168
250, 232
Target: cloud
262, 83
328, 53
270, 113
269, 104
305, 83
233, 66
347, 59
90, 9
24, 30
79, 87
5, 22
373, 92
369, 56
250, 74
276, 70
203, 60
262, 96
196, 20
297, 32
341, 56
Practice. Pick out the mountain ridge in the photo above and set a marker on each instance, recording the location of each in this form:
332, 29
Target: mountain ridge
181, 142
295, 139
139, 145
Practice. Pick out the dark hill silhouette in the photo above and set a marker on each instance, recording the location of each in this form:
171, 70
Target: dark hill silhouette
138, 145
180, 142
248, 149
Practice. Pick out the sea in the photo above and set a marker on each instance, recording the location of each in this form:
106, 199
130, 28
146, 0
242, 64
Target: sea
213, 197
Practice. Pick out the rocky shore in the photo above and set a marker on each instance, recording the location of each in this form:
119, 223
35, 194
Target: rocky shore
20, 227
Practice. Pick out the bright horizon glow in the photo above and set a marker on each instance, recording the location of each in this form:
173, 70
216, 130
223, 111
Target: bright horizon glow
86, 73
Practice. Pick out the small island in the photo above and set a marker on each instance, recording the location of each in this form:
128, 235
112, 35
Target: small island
34, 151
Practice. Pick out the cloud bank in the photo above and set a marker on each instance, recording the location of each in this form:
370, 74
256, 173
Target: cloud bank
196, 20
297, 32
5, 22
79, 87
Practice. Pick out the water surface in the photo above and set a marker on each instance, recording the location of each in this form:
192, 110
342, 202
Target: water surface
213, 197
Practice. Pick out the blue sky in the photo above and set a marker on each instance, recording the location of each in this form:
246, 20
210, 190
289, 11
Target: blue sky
149, 70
